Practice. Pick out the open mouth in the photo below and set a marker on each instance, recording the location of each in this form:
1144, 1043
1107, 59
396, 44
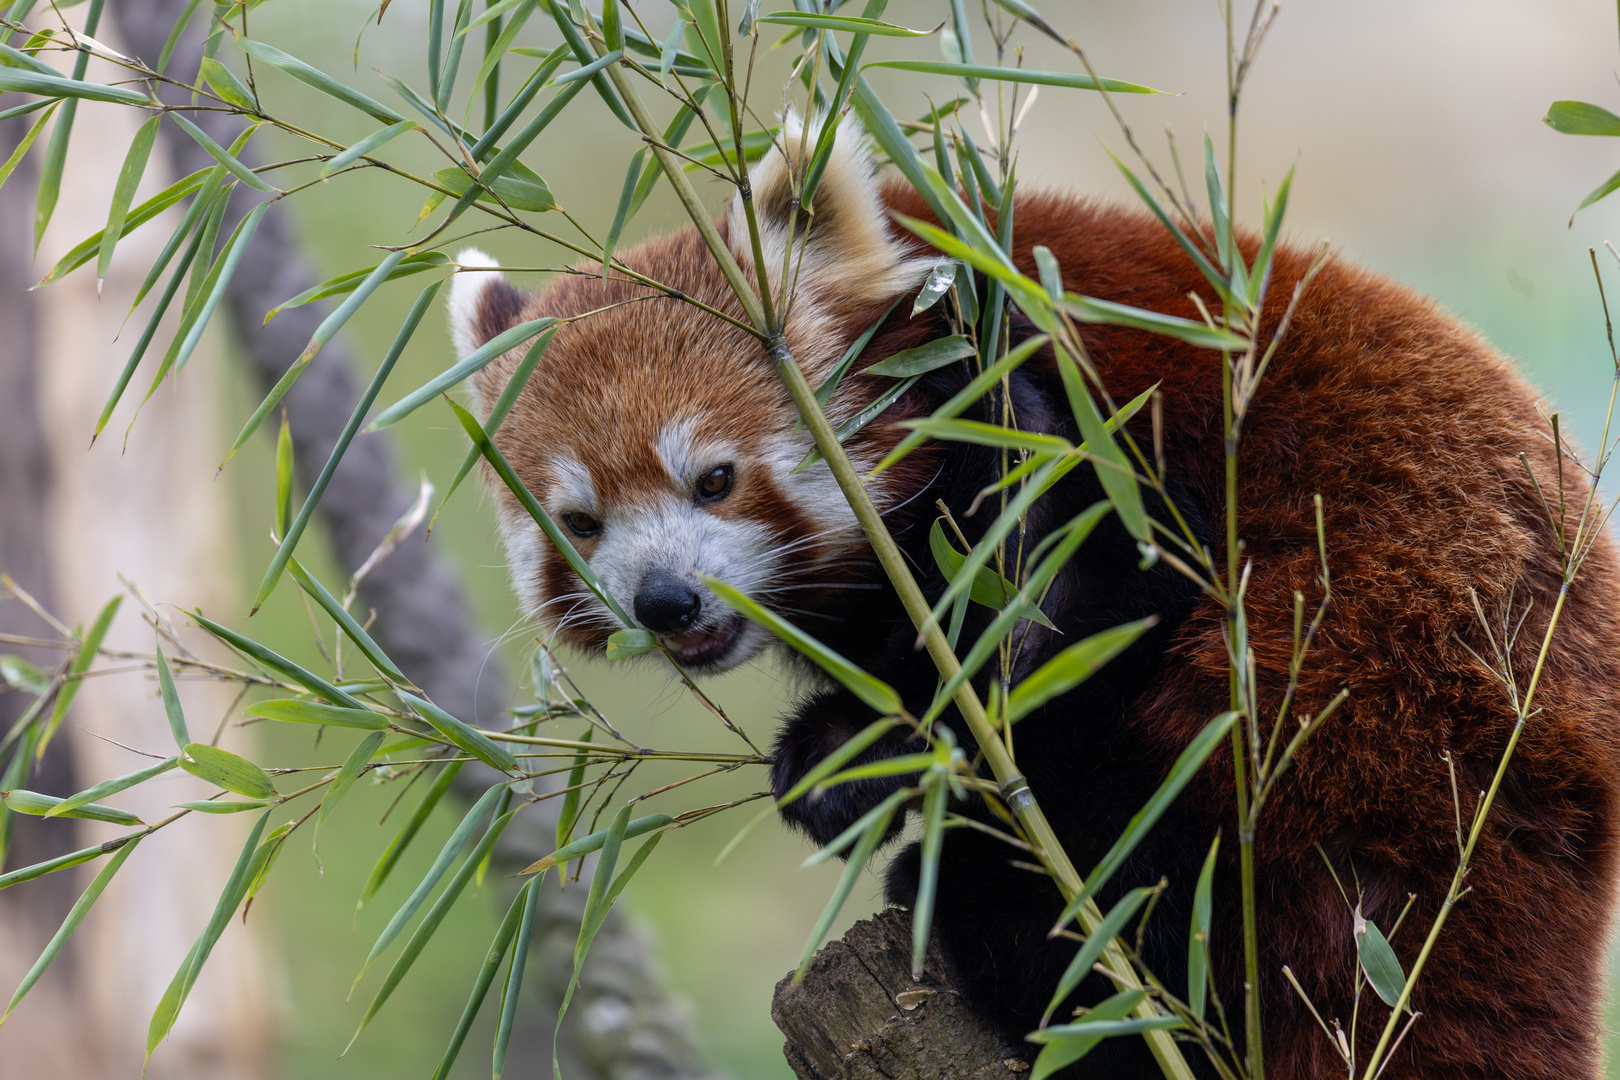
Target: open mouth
704, 645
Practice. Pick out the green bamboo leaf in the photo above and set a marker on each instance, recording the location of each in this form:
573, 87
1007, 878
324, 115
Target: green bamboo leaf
86, 250
1107, 1029
16, 58
512, 991
1217, 206
407, 832
475, 361
549, 63
19, 674
278, 663
171, 701
519, 187
621, 215
497, 415
587, 59
966, 397
974, 431
22, 147
20, 801
1090, 310
64, 862
935, 800
824, 392
227, 86
1580, 118
464, 735
594, 841
870, 839
354, 766
284, 476
284, 551
857, 423
1113, 468
613, 37
486, 975
1071, 667
228, 770
89, 645
1096, 941
1260, 273
847, 24
838, 843
1018, 75
989, 588
168, 1009
225, 806
324, 333
211, 179
627, 643
222, 155
504, 470
1198, 938
431, 921
346, 283
447, 854
54, 86
889, 766
85, 798
498, 39
366, 146
1188, 763
75, 916
1062, 1051
877, 694
1212, 275
318, 79
940, 280
173, 39
1378, 960
212, 292
351, 629
925, 358
569, 813
293, 711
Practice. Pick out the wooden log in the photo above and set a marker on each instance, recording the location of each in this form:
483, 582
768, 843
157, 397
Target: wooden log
859, 1015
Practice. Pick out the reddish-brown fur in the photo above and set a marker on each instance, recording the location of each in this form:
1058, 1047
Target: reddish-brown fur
1410, 428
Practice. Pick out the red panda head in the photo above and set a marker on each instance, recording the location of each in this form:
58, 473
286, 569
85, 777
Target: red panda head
660, 437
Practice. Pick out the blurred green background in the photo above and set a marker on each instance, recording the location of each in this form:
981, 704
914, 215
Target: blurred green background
1420, 152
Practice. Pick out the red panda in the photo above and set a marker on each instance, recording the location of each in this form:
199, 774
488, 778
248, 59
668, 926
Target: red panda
660, 437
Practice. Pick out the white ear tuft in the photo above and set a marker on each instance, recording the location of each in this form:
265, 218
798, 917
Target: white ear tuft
850, 252
466, 291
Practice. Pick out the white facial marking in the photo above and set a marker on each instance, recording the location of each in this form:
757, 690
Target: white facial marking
573, 489
686, 456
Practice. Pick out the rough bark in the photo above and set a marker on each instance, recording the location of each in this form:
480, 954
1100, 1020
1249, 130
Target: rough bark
622, 1024
859, 1015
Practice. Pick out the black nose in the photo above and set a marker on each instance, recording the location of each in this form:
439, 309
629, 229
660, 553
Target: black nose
665, 604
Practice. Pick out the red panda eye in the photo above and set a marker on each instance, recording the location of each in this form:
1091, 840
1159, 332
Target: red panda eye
716, 485
581, 524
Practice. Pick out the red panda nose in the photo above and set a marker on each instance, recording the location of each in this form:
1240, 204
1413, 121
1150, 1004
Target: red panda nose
665, 604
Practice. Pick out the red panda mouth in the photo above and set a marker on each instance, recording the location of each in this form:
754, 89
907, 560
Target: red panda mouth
693, 648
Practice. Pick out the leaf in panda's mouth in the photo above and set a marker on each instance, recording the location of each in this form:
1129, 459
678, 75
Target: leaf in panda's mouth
705, 644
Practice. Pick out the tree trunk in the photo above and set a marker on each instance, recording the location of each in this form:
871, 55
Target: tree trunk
859, 1015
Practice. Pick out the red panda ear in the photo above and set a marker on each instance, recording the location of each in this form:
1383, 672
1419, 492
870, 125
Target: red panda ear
852, 253
482, 304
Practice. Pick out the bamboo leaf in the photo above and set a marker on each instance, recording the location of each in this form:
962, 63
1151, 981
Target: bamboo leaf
63, 862
310, 76
569, 813
354, 766
1071, 667
940, 280
935, 801
594, 841
225, 806
22, 147
870, 839
1198, 937
1378, 960
284, 551
857, 423
345, 283
435, 916
227, 86
89, 645
974, 431
294, 711
351, 629
486, 975
1065, 1050
1017, 75
464, 735
989, 588
367, 146
824, 392
171, 701
519, 187
228, 770
140, 149
21, 801
86, 250
222, 155
925, 358
621, 215
447, 854
1114, 470
626, 643
407, 832
85, 798
54, 86
847, 24
877, 694
75, 916
279, 664
1581, 118
1188, 763
168, 1009
475, 361
19, 674
1096, 942
512, 991
284, 476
